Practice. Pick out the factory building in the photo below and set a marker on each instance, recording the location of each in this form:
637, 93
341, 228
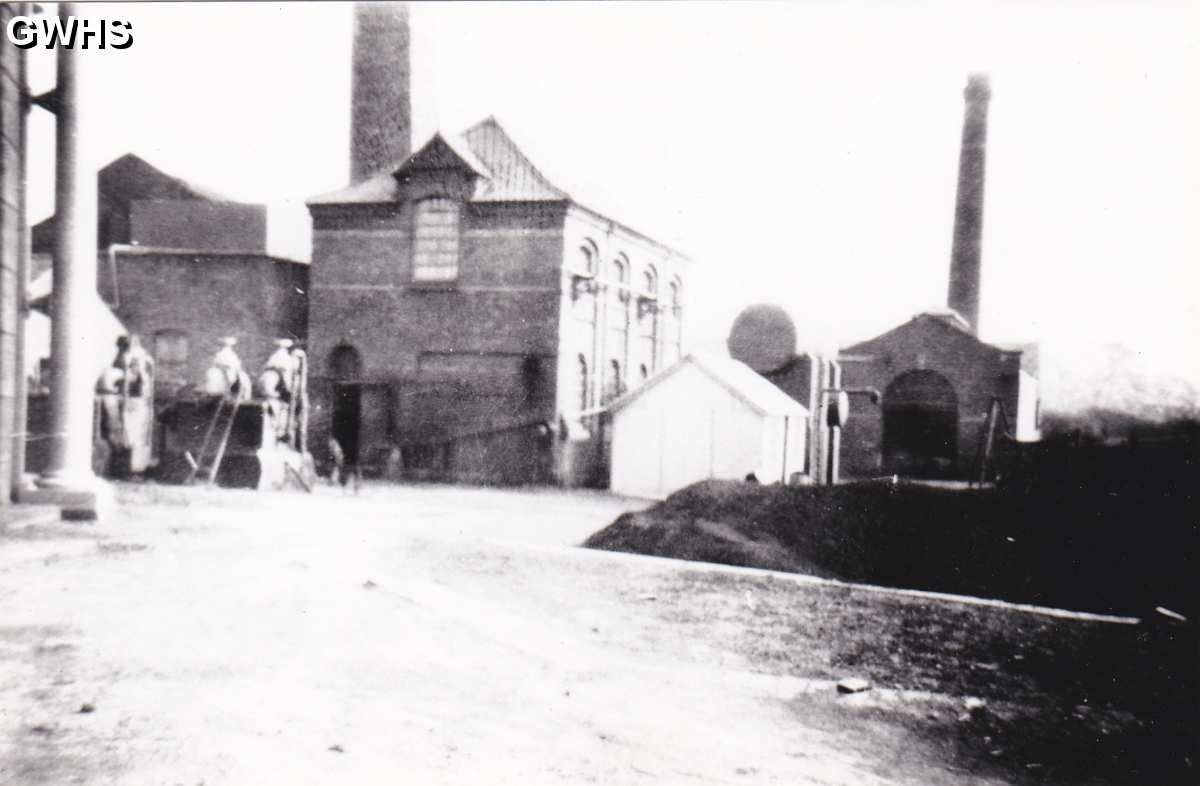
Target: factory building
182, 267
938, 383
943, 389
471, 313
467, 316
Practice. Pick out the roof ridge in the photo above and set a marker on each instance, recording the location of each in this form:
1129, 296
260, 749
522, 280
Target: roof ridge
736, 377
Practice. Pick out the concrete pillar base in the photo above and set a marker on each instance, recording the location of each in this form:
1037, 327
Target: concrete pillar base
87, 499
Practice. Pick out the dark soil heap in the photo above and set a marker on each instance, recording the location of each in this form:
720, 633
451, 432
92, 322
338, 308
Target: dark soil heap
1075, 550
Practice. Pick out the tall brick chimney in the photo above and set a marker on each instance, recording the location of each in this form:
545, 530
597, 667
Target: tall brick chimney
968, 212
381, 111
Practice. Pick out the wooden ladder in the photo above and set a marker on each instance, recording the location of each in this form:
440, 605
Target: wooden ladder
208, 462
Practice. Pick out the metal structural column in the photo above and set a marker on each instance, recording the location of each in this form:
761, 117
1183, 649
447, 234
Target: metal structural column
69, 481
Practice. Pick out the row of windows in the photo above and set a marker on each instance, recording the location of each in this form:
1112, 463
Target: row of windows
619, 272
613, 383
436, 232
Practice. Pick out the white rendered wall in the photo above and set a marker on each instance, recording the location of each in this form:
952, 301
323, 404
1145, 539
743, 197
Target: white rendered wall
687, 428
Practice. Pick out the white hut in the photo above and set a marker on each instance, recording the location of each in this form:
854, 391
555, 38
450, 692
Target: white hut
704, 417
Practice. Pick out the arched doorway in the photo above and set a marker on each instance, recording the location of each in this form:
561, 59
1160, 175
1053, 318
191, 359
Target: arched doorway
345, 368
920, 425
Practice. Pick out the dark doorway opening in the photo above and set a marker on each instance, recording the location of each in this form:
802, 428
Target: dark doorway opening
345, 367
347, 416
920, 426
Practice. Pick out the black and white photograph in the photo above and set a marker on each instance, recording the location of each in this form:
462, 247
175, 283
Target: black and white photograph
624, 393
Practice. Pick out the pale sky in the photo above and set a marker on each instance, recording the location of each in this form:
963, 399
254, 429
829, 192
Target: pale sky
803, 153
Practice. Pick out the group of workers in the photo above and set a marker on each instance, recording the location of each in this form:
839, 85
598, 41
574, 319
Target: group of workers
125, 396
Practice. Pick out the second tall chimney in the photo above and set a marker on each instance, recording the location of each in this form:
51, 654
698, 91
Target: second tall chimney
968, 212
381, 111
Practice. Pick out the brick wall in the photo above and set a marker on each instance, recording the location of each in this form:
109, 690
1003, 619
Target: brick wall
205, 297
977, 372
470, 364
200, 225
380, 122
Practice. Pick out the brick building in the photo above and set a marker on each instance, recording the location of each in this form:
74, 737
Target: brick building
938, 381
937, 378
182, 303
469, 311
182, 267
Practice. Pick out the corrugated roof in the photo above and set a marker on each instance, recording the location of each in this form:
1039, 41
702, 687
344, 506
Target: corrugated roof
505, 173
735, 376
514, 178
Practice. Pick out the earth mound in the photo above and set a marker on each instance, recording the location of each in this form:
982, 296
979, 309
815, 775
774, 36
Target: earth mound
1067, 551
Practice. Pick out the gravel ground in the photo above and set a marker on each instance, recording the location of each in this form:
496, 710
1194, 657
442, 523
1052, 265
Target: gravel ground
410, 635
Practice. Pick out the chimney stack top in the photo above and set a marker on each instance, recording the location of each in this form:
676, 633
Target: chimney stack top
978, 88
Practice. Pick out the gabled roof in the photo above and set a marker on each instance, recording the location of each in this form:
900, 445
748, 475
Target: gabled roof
131, 177
735, 376
503, 173
443, 153
948, 321
125, 180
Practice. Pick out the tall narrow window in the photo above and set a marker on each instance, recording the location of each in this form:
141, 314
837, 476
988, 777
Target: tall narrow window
650, 282
647, 313
587, 258
583, 384
674, 320
616, 385
435, 243
620, 272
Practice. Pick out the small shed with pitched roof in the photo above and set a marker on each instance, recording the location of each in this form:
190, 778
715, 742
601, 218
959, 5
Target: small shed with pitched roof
704, 417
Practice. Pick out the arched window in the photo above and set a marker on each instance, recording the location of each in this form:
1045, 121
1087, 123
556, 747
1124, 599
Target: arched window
620, 271
675, 294
345, 362
650, 282
615, 386
435, 239
587, 259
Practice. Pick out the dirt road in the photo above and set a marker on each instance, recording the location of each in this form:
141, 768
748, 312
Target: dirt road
408, 635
